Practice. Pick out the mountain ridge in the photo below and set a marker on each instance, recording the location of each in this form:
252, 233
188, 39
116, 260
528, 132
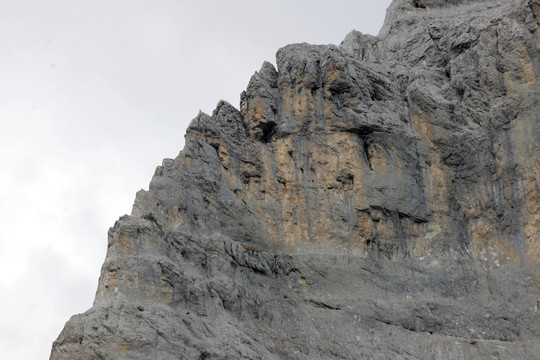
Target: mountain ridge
376, 199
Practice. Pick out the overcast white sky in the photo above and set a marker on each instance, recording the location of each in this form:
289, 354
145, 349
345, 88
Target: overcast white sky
93, 95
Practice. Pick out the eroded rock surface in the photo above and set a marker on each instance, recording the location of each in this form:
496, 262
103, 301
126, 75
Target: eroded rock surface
373, 200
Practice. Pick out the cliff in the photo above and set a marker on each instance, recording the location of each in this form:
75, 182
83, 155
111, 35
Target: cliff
373, 200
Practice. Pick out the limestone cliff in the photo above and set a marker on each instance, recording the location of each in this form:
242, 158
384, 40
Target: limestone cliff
373, 200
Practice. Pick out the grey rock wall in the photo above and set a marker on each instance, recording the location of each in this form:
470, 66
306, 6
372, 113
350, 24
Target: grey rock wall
373, 200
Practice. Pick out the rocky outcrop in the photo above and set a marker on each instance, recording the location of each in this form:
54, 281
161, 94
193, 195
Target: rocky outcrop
373, 200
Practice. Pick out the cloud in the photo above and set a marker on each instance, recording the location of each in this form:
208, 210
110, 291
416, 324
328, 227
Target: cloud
37, 297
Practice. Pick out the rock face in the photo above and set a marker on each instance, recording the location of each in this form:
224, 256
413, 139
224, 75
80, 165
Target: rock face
373, 200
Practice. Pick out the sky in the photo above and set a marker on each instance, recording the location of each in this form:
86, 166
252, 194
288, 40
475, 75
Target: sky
93, 95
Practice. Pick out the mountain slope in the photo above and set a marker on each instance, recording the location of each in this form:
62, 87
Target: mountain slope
378, 199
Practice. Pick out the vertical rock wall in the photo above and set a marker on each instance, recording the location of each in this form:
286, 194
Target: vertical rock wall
378, 199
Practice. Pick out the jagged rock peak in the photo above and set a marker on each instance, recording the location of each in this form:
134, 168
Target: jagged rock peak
376, 199
360, 46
